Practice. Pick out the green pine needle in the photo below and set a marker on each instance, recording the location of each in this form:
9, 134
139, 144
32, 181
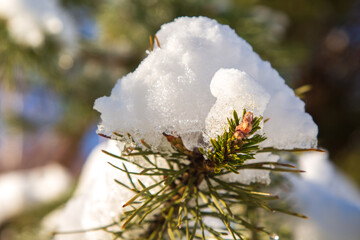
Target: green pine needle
174, 206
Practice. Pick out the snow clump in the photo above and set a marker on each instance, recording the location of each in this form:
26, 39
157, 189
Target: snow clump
193, 82
98, 199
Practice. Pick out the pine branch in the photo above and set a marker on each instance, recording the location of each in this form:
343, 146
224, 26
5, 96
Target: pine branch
191, 187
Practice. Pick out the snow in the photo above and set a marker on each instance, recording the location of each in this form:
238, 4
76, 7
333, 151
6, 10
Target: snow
190, 85
328, 198
29, 21
234, 89
20, 190
98, 199
248, 176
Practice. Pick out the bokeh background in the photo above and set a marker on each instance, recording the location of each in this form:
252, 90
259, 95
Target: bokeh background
58, 56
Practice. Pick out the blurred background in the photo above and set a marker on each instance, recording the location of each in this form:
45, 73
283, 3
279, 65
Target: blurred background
58, 56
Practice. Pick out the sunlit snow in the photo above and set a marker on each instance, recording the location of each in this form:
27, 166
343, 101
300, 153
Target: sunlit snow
192, 83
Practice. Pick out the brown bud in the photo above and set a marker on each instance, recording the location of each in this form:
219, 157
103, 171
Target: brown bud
246, 124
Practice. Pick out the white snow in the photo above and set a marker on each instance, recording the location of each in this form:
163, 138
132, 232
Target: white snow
29, 21
248, 176
328, 198
98, 199
237, 90
20, 190
190, 85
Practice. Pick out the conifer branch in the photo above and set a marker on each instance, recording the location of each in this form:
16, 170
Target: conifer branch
191, 187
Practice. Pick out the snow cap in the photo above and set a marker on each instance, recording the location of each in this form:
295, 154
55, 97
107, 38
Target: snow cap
192, 83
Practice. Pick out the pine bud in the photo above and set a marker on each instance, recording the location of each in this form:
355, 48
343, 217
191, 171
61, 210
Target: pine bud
245, 126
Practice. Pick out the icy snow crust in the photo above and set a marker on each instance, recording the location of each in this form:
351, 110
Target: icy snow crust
189, 86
